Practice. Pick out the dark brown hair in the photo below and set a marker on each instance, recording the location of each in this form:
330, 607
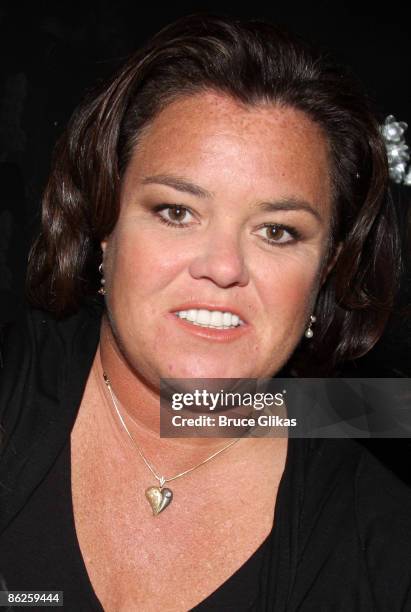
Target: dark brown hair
254, 62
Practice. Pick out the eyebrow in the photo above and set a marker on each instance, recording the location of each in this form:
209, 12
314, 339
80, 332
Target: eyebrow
290, 204
178, 183
182, 185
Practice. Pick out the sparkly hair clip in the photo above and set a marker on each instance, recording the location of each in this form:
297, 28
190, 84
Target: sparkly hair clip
397, 150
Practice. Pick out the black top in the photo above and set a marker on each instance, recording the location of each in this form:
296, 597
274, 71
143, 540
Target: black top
43, 553
342, 535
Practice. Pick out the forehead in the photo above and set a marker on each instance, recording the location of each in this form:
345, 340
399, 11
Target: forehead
214, 140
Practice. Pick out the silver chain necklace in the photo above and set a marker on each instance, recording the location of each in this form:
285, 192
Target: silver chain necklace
159, 497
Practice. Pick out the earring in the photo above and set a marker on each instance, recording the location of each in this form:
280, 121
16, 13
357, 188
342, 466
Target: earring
102, 290
309, 332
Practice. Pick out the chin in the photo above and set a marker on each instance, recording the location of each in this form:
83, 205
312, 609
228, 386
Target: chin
196, 370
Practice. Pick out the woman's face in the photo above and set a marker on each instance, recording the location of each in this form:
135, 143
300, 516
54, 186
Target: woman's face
224, 209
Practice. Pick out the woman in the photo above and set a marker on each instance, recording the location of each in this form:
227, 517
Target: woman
227, 168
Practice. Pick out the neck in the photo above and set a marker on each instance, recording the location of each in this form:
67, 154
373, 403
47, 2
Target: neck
139, 403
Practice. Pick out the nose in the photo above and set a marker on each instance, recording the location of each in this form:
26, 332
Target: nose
220, 260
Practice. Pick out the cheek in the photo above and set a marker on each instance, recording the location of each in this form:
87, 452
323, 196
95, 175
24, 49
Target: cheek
296, 289
290, 280
133, 257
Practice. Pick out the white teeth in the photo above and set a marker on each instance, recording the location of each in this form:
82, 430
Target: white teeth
203, 317
227, 318
210, 318
191, 315
216, 318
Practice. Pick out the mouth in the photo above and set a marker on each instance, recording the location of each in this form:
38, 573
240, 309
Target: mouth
210, 318
210, 322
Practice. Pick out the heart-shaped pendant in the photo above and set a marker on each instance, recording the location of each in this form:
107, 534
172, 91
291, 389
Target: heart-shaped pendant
158, 498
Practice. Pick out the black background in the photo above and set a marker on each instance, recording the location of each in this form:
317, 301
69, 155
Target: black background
51, 52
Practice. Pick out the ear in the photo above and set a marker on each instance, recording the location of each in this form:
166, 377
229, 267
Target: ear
103, 245
331, 263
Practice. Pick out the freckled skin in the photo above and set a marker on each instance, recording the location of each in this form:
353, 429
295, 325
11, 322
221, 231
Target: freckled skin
243, 156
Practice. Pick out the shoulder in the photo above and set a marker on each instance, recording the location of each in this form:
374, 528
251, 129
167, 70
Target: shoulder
36, 337
45, 369
383, 509
383, 506
37, 351
34, 327
382, 499
355, 526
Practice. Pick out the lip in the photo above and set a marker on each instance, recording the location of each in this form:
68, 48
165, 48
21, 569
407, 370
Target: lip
202, 306
208, 333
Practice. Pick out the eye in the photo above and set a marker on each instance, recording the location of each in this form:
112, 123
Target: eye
173, 214
275, 233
